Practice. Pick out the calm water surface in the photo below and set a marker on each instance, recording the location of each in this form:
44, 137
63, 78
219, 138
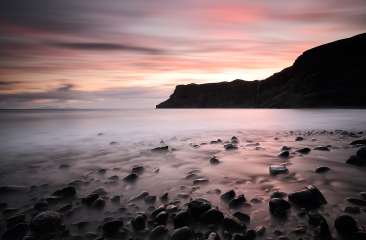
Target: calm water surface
26, 130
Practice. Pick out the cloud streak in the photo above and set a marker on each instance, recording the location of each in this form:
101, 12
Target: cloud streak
112, 44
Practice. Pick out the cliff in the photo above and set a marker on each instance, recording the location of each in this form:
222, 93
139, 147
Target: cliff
330, 75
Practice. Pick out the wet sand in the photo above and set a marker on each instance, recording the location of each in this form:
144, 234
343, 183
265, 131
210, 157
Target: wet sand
185, 172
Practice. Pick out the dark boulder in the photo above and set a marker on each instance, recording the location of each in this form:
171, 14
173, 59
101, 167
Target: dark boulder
230, 146
16, 233
299, 139
212, 216
304, 150
278, 194
46, 223
284, 154
198, 206
182, 218
229, 195
160, 149
131, 177
233, 226
346, 225
158, 233
237, 202
359, 142
111, 228
322, 169
279, 207
243, 217
66, 192
183, 233
310, 197
139, 222
277, 169
90, 199
161, 218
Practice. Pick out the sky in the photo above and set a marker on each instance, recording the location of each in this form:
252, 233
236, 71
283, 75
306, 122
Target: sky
131, 54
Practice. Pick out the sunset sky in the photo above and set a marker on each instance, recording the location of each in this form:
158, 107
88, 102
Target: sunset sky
128, 54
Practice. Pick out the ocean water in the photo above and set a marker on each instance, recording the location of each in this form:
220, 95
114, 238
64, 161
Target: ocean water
27, 130
36, 143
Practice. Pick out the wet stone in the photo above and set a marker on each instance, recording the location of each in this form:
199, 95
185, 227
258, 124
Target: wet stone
237, 202
183, 233
182, 218
278, 194
233, 226
299, 139
230, 146
214, 160
212, 216
356, 201
160, 149
345, 225
310, 197
138, 223
200, 181
131, 177
150, 199
229, 195
138, 169
46, 223
243, 217
198, 206
352, 210
158, 233
161, 218
111, 228
322, 148
277, 169
90, 199
66, 192
16, 233
304, 150
322, 169
284, 154
279, 207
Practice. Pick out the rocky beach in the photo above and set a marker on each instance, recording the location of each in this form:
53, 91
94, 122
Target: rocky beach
213, 185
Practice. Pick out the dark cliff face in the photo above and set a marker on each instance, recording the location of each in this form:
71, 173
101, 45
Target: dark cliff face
331, 75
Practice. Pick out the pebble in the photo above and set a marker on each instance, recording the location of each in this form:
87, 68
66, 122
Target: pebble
131, 177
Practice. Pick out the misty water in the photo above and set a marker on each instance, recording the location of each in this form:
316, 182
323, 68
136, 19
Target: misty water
35, 144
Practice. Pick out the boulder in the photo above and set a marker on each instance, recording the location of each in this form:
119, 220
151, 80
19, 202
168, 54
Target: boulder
233, 226
131, 177
346, 225
158, 233
182, 218
46, 223
322, 169
309, 197
284, 154
304, 150
198, 206
279, 207
139, 222
161, 218
237, 202
65, 192
243, 217
229, 195
183, 233
111, 228
212, 216
359, 142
